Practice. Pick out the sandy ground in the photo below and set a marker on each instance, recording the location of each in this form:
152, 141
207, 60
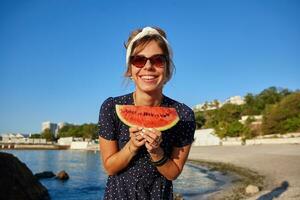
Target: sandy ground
279, 163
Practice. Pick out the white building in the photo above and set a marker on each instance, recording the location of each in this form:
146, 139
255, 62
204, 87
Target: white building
208, 106
237, 100
13, 138
206, 137
51, 126
65, 141
257, 119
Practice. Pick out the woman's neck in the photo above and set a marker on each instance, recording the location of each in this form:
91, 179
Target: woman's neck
147, 99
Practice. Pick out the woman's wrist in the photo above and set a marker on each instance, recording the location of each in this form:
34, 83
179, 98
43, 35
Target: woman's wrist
160, 162
156, 155
132, 149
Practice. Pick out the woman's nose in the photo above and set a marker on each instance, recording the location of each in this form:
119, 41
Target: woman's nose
148, 65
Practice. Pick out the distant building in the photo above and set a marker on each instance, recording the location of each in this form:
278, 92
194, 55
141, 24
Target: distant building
237, 100
51, 126
208, 106
13, 138
216, 104
206, 137
256, 119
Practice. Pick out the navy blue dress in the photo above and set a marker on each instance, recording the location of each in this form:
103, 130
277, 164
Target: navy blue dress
141, 180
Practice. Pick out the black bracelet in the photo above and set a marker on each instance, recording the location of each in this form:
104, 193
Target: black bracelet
160, 162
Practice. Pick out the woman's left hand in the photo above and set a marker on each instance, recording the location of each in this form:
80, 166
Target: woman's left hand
153, 140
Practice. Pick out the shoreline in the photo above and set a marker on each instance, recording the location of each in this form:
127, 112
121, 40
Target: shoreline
33, 147
238, 178
278, 165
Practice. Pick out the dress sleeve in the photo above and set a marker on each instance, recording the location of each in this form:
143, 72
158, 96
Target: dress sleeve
107, 122
185, 128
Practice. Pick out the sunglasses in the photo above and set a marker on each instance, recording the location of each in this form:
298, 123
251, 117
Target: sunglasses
158, 60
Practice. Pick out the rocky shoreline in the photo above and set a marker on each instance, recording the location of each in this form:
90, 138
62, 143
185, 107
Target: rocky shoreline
18, 182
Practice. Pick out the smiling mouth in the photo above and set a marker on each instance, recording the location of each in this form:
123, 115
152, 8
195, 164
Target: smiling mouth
148, 78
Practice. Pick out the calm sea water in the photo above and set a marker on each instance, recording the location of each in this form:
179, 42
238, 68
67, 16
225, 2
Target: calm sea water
87, 178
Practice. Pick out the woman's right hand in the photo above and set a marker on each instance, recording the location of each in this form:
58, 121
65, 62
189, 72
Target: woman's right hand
136, 139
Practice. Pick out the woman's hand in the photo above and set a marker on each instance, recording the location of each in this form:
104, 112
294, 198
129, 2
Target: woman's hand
136, 139
153, 140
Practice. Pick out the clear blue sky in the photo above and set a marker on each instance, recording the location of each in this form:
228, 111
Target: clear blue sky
60, 59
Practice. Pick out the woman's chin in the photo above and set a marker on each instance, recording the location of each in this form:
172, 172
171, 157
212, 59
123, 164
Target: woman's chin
150, 88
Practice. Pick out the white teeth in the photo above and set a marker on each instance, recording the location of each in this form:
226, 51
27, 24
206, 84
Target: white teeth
148, 77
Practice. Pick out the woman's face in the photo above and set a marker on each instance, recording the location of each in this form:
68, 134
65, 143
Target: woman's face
149, 78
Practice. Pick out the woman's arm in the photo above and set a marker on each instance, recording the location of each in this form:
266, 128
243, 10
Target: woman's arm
113, 159
174, 166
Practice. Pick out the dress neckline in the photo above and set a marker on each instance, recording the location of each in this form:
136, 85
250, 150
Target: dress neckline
162, 103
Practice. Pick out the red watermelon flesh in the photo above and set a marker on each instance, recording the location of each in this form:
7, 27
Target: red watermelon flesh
160, 118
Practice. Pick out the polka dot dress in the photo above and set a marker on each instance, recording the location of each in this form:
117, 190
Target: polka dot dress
140, 180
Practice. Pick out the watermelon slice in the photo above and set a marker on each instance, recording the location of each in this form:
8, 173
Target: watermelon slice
160, 118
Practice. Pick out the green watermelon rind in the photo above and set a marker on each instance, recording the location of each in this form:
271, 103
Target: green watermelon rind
161, 128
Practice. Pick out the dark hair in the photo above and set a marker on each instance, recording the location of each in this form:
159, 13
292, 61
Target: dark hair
140, 44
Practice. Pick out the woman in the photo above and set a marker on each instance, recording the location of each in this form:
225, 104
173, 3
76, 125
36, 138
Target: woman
141, 163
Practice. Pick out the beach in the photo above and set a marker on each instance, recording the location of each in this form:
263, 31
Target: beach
279, 164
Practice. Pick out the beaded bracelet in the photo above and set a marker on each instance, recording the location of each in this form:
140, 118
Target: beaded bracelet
160, 162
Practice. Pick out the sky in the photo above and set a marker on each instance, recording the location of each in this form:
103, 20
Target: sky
60, 59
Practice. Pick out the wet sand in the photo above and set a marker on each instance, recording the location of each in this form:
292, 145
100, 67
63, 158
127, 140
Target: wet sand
279, 163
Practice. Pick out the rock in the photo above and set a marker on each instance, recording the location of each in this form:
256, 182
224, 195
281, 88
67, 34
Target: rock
251, 189
46, 174
178, 196
62, 175
18, 182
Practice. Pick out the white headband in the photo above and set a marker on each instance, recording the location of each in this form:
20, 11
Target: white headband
146, 31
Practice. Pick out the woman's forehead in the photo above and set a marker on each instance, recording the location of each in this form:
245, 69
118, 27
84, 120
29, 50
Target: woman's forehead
148, 47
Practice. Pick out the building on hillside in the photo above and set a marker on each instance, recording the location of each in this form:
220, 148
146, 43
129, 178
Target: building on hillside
237, 100
206, 137
256, 119
208, 106
216, 104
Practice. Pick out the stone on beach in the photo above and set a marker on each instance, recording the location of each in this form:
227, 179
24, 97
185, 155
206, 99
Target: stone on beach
178, 196
251, 189
46, 174
62, 175
17, 181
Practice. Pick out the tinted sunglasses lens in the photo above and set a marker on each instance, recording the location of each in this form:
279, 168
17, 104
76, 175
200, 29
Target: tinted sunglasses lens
138, 61
158, 61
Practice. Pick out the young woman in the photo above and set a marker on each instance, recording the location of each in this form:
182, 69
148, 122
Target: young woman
141, 163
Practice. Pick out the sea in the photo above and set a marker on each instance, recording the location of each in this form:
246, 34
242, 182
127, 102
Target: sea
88, 179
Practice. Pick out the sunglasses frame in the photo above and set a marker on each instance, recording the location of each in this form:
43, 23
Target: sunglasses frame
151, 59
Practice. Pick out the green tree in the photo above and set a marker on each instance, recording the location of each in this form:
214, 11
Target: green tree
256, 104
35, 135
85, 130
90, 131
47, 135
200, 119
282, 117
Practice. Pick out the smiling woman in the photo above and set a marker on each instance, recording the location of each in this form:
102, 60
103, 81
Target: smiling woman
142, 162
